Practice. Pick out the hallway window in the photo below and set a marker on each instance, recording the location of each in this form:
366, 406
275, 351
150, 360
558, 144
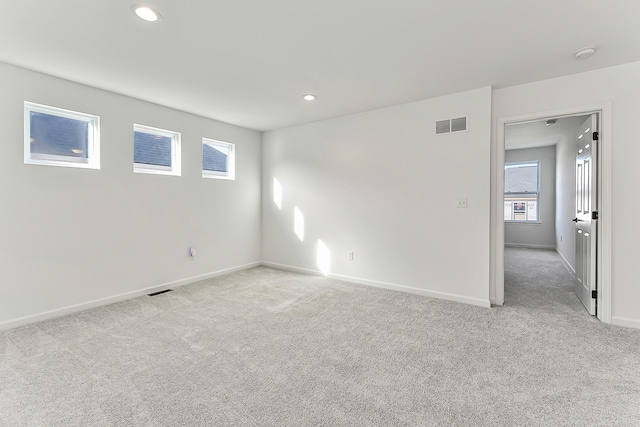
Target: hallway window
156, 151
57, 137
218, 159
521, 192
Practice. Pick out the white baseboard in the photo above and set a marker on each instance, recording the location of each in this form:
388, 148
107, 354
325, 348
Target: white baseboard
622, 321
526, 245
391, 286
26, 320
566, 263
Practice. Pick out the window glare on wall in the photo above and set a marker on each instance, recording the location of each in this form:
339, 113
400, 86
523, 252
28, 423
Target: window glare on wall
298, 223
277, 193
323, 260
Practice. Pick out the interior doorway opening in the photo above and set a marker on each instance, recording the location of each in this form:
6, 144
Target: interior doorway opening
562, 241
540, 207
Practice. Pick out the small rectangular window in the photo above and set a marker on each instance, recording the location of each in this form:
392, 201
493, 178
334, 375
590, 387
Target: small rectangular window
57, 137
156, 151
218, 159
521, 192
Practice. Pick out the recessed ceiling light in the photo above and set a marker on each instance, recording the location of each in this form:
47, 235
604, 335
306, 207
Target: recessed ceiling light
585, 52
309, 97
146, 13
551, 122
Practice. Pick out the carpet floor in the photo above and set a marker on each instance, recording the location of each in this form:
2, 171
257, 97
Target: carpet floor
264, 347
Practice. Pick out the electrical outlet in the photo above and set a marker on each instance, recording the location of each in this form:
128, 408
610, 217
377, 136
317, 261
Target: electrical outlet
462, 203
350, 255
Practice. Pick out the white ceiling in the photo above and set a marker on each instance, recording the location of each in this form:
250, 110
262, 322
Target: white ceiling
538, 134
249, 62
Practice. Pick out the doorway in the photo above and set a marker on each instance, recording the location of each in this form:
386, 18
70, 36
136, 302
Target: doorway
602, 266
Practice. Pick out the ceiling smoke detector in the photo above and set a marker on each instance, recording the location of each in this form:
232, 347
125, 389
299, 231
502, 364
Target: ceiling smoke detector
585, 52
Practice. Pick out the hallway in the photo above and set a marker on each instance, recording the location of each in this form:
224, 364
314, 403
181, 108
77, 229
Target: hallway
538, 279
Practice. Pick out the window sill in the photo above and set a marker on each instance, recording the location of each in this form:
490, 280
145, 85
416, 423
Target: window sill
157, 171
217, 176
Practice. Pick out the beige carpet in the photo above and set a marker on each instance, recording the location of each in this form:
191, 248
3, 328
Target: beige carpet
265, 347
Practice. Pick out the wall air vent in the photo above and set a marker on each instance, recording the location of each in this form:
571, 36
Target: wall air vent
458, 124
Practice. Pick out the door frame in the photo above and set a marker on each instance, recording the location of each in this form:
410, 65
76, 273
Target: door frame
604, 206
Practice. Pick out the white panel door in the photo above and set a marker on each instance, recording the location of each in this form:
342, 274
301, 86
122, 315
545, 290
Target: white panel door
586, 212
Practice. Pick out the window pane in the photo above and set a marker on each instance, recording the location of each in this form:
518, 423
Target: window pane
214, 158
521, 178
508, 210
59, 136
151, 149
532, 210
521, 188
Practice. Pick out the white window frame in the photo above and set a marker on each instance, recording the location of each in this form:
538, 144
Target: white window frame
176, 165
231, 160
537, 194
93, 142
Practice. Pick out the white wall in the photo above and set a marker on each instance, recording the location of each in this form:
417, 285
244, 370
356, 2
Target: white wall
619, 86
73, 236
383, 185
543, 232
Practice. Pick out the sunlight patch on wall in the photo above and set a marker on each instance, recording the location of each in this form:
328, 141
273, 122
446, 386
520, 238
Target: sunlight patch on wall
324, 258
298, 224
277, 193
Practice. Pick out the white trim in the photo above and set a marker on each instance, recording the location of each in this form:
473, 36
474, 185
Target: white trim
623, 321
566, 263
604, 208
524, 222
384, 285
530, 246
26, 320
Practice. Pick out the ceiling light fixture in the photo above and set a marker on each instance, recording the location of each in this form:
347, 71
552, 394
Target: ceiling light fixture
146, 13
309, 97
585, 52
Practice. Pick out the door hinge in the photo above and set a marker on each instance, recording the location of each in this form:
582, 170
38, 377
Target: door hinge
594, 294
595, 135
594, 215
